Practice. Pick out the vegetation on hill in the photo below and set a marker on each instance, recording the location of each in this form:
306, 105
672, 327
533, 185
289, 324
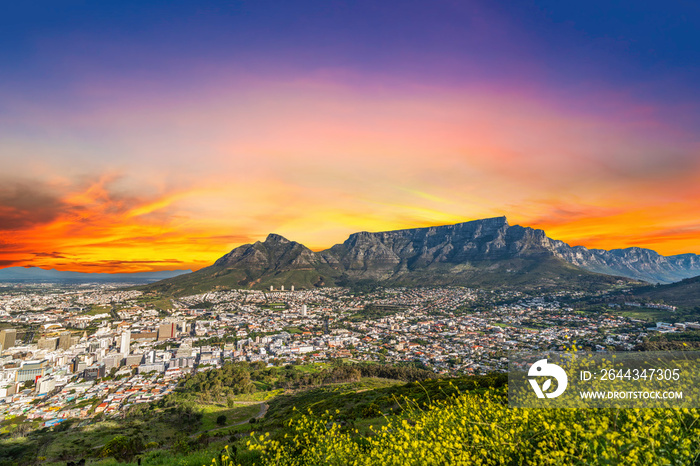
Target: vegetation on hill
172, 426
242, 378
342, 414
523, 274
685, 294
474, 428
223, 278
683, 341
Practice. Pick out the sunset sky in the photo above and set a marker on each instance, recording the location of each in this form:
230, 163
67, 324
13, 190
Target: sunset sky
139, 135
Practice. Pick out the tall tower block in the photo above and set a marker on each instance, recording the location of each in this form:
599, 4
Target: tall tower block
8, 338
125, 342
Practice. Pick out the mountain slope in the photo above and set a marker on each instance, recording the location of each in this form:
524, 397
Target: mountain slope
685, 293
274, 262
485, 252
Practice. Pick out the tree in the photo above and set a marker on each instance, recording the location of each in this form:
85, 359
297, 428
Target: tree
123, 448
221, 420
204, 439
181, 445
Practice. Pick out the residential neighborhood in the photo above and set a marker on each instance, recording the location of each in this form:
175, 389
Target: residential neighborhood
78, 352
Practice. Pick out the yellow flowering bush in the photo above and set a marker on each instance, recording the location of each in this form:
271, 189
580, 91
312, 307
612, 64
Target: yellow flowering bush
480, 429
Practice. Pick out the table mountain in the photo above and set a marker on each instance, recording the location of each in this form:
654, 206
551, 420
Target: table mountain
486, 252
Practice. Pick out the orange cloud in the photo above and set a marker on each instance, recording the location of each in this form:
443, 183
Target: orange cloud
96, 229
182, 182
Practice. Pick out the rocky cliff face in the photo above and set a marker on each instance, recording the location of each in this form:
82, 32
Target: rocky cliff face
481, 252
638, 263
389, 253
275, 253
380, 255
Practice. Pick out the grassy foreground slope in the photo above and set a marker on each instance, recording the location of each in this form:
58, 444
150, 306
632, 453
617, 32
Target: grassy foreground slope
206, 411
355, 415
478, 428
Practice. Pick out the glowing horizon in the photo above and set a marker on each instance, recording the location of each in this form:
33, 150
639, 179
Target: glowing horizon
162, 139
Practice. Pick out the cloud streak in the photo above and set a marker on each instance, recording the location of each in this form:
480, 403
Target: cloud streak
145, 151
23, 205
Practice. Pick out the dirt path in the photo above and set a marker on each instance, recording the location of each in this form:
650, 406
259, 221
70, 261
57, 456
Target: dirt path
263, 410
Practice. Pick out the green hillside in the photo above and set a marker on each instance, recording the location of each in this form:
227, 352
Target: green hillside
364, 421
540, 272
523, 273
477, 427
226, 278
185, 424
685, 293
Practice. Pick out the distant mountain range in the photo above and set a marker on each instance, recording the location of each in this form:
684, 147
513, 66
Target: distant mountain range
637, 263
43, 275
486, 252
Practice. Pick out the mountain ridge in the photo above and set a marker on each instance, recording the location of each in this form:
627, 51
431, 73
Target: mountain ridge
477, 252
486, 252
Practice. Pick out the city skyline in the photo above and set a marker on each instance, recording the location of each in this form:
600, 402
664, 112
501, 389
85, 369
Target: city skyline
148, 136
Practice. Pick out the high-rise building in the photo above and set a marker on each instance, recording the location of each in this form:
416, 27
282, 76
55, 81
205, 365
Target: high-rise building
292, 289
125, 342
166, 330
112, 360
282, 288
64, 341
47, 343
7, 338
93, 372
134, 359
45, 385
303, 310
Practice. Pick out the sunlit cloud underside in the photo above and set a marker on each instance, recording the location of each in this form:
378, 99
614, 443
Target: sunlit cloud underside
164, 144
